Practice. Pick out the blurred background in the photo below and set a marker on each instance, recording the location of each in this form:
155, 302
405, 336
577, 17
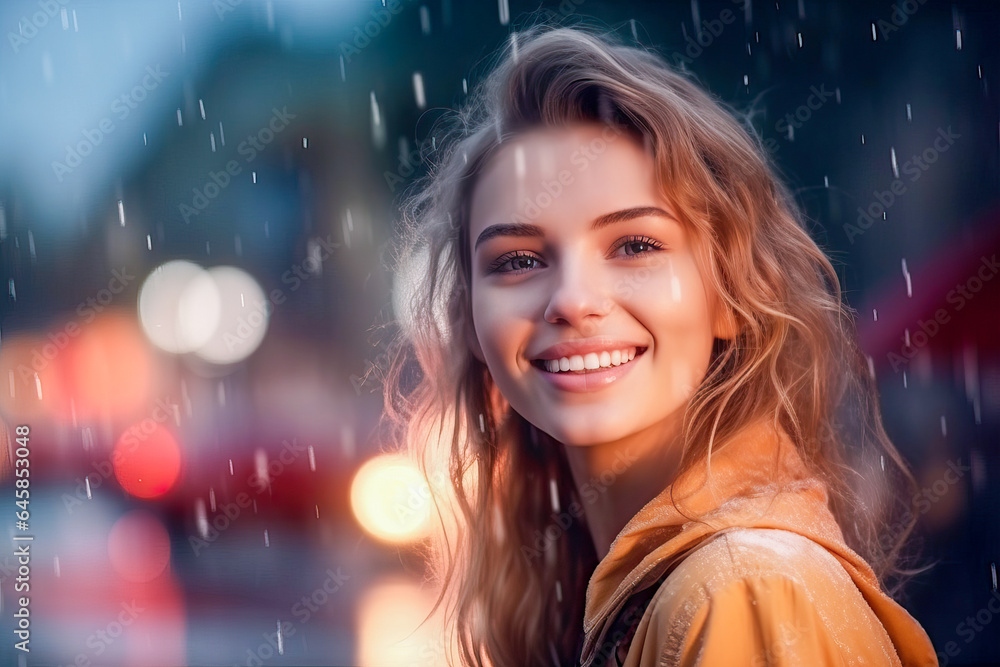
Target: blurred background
195, 199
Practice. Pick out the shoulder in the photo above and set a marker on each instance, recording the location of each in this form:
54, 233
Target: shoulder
758, 596
739, 553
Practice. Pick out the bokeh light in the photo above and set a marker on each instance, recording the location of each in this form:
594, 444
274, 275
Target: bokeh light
242, 317
138, 546
389, 626
220, 314
391, 500
110, 369
147, 459
179, 306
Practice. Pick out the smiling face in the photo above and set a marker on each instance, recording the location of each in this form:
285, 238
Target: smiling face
589, 302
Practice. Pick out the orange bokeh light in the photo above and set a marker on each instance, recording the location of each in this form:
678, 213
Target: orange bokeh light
147, 460
110, 367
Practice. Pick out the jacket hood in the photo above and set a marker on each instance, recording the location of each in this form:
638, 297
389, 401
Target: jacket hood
757, 480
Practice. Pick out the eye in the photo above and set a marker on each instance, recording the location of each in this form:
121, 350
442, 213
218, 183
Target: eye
637, 245
517, 260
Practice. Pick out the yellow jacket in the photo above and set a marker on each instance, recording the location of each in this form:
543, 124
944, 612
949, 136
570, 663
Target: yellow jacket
765, 580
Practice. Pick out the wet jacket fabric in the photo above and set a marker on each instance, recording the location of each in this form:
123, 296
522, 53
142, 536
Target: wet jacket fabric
765, 578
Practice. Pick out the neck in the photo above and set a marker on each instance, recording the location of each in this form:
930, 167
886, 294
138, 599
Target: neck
614, 480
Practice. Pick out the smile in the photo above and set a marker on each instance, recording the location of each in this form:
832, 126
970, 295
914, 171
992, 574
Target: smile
592, 361
585, 380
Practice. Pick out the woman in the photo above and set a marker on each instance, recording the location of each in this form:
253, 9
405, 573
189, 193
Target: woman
662, 440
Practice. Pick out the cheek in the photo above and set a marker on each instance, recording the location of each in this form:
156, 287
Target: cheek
673, 304
498, 328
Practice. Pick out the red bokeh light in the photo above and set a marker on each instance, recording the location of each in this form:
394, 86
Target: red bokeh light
147, 460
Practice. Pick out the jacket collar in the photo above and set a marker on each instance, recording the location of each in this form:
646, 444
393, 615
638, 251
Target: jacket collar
746, 473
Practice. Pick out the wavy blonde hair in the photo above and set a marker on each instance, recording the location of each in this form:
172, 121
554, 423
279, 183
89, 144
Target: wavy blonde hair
795, 359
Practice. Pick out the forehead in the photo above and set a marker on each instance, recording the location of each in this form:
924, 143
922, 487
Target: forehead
584, 168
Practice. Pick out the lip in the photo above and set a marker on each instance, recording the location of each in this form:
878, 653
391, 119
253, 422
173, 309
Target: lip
585, 346
586, 382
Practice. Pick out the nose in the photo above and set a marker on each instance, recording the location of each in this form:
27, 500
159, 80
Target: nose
578, 294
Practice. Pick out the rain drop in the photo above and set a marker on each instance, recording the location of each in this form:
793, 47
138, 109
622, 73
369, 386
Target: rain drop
201, 108
201, 517
121, 212
418, 90
425, 20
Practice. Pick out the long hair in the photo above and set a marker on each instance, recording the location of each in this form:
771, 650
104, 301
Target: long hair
512, 567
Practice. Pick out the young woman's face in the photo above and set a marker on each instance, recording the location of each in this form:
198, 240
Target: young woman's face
577, 265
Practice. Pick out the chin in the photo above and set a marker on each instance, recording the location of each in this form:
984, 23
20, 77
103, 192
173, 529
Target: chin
587, 436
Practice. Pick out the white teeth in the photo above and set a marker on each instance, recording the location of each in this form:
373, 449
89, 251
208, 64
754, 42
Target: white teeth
590, 361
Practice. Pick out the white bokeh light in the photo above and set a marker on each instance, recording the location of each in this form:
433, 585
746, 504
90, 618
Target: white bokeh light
179, 306
243, 317
221, 314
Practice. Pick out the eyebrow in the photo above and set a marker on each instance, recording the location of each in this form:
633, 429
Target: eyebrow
528, 229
